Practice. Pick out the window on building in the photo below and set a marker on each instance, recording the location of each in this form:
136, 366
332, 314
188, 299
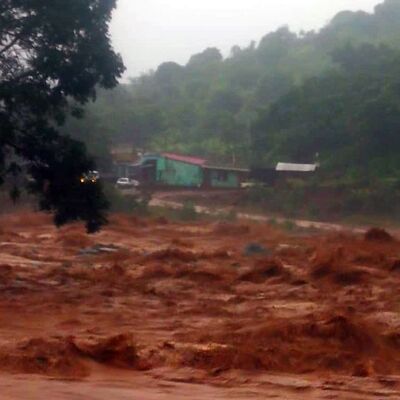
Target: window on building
222, 176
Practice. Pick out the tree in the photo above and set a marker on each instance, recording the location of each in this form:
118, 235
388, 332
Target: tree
276, 45
168, 73
208, 57
271, 87
225, 100
53, 54
191, 108
350, 117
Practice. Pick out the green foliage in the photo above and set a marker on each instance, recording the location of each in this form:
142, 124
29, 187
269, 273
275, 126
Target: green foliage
375, 198
228, 216
218, 107
208, 57
350, 117
314, 211
52, 57
288, 200
292, 96
273, 222
188, 212
289, 226
380, 199
137, 204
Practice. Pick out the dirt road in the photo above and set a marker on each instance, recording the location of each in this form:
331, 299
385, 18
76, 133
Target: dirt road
155, 310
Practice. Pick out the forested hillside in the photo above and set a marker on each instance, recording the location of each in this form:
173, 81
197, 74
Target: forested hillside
335, 92
349, 118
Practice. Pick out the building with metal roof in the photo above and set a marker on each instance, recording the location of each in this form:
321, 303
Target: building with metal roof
292, 167
184, 159
176, 170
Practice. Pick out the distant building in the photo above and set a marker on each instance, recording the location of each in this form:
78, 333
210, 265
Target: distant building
172, 170
292, 167
281, 172
288, 171
176, 170
224, 177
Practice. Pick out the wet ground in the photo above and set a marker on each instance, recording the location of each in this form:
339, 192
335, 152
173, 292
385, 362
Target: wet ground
151, 309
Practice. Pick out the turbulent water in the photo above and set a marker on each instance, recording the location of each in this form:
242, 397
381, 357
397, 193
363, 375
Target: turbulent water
152, 309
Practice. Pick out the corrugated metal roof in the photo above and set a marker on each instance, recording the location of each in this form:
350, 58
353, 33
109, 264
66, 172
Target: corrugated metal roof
290, 167
233, 169
185, 159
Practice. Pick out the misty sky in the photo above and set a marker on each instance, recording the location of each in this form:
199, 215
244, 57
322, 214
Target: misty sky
149, 32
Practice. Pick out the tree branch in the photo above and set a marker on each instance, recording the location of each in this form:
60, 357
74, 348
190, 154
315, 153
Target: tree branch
11, 44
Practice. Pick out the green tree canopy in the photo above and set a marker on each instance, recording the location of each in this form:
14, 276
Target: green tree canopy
207, 106
351, 117
52, 56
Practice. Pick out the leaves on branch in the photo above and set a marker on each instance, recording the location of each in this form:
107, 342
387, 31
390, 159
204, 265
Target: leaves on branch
53, 53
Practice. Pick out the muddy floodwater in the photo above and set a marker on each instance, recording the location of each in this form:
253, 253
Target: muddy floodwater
150, 309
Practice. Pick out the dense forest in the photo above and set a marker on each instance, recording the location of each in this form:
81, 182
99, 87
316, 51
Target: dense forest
332, 94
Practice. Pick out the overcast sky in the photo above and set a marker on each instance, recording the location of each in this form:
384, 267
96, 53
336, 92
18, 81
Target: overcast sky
149, 32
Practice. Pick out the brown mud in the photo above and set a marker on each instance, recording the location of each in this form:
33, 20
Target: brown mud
153, 309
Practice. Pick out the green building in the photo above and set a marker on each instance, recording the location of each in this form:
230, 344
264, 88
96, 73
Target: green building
223, 177
176, 170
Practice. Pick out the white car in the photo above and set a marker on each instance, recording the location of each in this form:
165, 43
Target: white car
127, 183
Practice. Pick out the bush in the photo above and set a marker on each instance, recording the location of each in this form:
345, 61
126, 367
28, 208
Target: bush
229, 216
137, 203
188, 212
314, 211
259, 194
273, 222
377, 197
289, 226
